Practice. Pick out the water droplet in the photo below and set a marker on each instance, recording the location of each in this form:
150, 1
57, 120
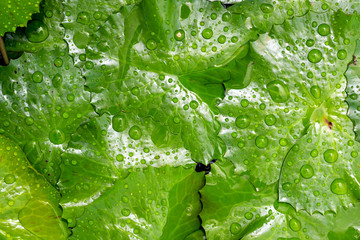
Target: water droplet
310, 42
283, 142
261, 141
330, 155
89, 65
266, 8
179, 35
226, 17
249, 215
135, 132
36, 31
314, 153
56, 136
97, 15
135, 91
342, 54
185, 11
37, 77
70, 97
324, 29
81, 39
295, 225
194, 104
57, 80
235, 228
9, 179
314, 56
207, 33
244, 102
315, 91
270, 120
120, 157
242, 121
151, 44
286, 186
278, 91
83, 18
29, 121
338, 186
222, 39
176, 120
119, 123
307, 171
213, 16
125, 212
58, 62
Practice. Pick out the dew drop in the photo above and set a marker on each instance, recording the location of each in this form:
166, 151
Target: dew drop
307, 171
266, 8
226, 17
120, 157
278, 91
310, 42
315, 91
119, 123
235, 228
270, 120
135, 132
207, 33
9, 179
261, 141
242, 121
314, 56
36, 31
179, 35
338, 186
58, 62
286, 186
29, 121
57, 80
249, 215
135, 91
314, 153
125, 212
83, 18
37, 77
56, 136
283, 142
324, 29
295, 225
221, 39
151, 44
194, 104
342, 54
330, 155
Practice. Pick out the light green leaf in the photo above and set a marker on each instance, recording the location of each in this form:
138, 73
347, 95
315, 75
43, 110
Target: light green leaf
29, 204
16, 13
154, 203
42, 102
233, 209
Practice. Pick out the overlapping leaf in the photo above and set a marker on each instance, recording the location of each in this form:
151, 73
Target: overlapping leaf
29, 204
233, 209
156, 203
298, 69
16, 13
42, 102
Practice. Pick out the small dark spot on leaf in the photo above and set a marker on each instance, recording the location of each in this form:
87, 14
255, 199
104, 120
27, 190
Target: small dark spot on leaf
202, 167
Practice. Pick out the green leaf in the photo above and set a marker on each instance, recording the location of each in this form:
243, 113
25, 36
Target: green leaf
234, 209
42, 102
43, 30
153, 203
265, 119
29, 204
16, 13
